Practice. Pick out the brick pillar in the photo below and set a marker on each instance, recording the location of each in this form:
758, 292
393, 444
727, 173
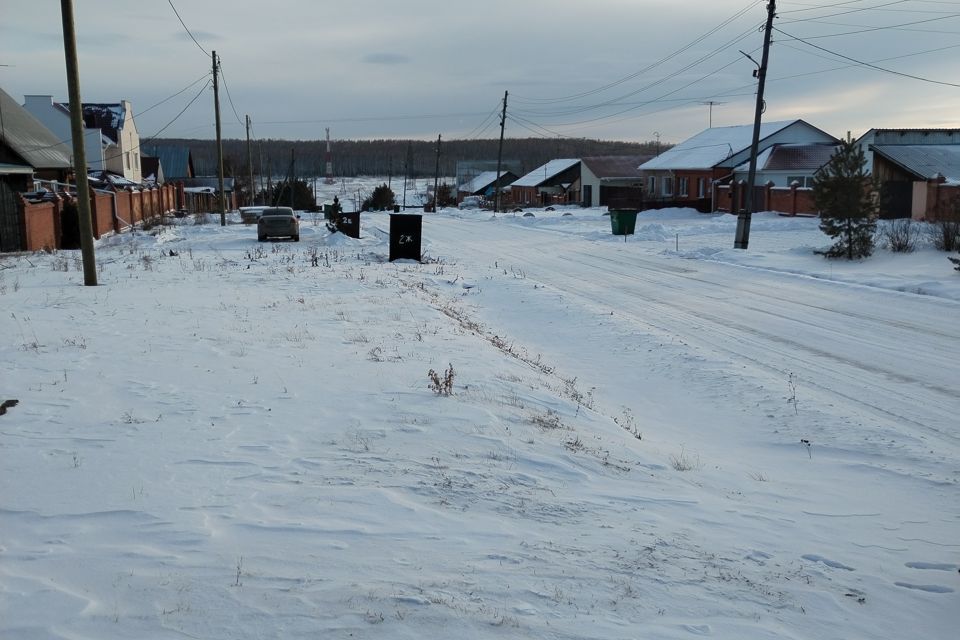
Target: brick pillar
793, 197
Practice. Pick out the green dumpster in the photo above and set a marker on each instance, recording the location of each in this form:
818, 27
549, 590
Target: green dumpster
623, 221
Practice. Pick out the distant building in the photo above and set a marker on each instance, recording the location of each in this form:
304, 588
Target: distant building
613, 181
485, 185
176, 162
556, 182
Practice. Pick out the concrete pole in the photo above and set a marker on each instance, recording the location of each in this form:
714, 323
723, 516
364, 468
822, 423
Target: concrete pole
79, 155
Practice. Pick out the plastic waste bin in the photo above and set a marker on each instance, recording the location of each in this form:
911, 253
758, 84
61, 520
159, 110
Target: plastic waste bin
623, 221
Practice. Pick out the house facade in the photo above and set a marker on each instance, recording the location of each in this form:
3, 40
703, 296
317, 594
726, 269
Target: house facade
556, 182
913, 169
689, 174
612, 181
111, 141
28, 150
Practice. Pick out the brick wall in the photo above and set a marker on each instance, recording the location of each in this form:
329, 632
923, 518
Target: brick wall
41, 225
789, 200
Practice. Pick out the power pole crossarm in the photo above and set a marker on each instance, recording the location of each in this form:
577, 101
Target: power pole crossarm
742, 239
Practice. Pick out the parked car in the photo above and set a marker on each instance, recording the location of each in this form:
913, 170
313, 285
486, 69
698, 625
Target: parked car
278, 222
471, 202
249, 215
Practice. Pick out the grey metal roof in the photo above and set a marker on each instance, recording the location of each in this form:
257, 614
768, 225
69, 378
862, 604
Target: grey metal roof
924, 160
28, 138
616, 166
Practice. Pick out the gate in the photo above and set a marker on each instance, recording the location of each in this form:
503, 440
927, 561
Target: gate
10, 239
896, 200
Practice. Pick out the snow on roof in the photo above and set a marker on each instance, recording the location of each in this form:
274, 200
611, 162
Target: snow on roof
545, 172
480, 181
712, 146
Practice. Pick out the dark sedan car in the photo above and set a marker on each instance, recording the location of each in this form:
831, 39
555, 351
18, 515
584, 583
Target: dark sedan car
278, 222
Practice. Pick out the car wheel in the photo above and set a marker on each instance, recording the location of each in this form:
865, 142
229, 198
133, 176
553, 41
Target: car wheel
296, 238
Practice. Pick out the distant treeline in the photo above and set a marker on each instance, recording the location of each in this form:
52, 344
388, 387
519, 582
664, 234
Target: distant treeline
415, 158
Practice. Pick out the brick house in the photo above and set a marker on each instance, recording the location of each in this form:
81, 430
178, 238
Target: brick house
687, 174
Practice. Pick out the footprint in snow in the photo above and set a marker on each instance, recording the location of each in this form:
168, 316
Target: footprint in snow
830, 563
929, 588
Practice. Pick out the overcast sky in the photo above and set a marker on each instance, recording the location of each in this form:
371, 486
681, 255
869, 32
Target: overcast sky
608, 69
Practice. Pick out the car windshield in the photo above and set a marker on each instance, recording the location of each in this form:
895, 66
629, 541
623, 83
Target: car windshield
278, 211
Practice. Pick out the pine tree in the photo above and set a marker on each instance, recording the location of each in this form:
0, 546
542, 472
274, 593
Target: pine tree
841, 192
381, 199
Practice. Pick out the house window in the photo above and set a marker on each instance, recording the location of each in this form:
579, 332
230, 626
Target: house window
802, 181
652, 185
667, 185
684, 187
701, 187
126, 160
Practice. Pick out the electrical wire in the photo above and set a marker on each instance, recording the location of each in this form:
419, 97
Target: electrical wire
866, 64
649, 67
187, 29
227, 89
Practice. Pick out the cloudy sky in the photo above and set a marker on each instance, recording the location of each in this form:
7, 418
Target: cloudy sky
609, 69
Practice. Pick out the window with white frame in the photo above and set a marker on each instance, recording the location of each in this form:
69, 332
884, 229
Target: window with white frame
667, 183
701, 187
652, 185
802, 181
684, 184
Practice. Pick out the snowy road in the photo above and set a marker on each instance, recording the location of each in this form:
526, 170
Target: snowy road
891, 356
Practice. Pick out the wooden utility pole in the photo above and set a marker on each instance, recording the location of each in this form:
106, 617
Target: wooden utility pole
503, 123
253, 191
216, 106
742, 239
79, 154
436, 180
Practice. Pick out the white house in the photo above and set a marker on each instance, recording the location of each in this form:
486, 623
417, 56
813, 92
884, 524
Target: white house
111, 140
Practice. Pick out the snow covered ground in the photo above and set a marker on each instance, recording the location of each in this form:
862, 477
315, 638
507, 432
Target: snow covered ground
651, 437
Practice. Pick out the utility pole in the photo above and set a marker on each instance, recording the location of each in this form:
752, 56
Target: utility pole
260, 172
503, 123
79, 154
742, 239
216, 106
656, 134
293, 173
436, 180
253, 191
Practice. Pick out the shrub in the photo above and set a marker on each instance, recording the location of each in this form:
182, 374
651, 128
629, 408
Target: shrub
901, 235
441, 386
945, 234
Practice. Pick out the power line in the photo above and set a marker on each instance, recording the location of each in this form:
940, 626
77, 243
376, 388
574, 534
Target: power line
187, 29
229, 97
645, 69
866, 64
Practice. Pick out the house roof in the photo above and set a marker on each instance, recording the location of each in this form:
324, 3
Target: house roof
485, 179
912, 136
544, 172
807, 158
208, 183
712, 146
106, 116
176, 161
615, 166
28, 138
924, 160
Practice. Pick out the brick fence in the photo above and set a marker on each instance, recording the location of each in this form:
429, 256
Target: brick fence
791, 200
41, 223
